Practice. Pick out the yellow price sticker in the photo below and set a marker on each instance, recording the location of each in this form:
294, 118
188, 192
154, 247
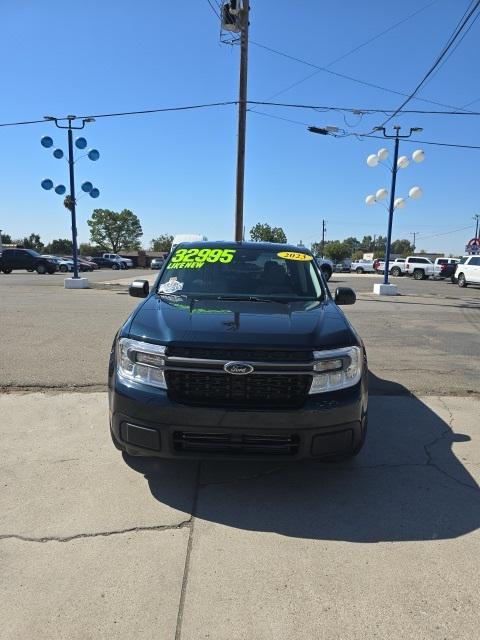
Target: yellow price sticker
292, 255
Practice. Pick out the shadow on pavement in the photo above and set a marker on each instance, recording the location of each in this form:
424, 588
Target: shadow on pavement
407, 484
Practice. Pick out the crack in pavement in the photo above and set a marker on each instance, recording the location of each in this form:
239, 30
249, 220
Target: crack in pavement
100, 534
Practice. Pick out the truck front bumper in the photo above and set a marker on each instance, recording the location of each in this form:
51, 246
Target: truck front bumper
145, 422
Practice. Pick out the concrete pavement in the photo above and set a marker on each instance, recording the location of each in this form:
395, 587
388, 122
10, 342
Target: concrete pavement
95, 546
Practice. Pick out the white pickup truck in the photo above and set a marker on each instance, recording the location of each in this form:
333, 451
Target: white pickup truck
396, 267
362, 266
422, 268
125, 263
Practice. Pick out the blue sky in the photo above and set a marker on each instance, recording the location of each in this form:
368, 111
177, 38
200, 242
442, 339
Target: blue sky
176, 171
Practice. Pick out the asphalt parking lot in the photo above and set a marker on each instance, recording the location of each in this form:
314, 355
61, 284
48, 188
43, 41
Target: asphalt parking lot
93, 545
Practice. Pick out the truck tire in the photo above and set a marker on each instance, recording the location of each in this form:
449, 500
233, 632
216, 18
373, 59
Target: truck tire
462, 282
359, 270
396, 271
326, 272
41, 269
63, 268
419, 274
7, 269
115, 267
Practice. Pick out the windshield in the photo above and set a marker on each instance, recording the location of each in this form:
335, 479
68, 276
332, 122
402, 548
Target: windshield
245, 272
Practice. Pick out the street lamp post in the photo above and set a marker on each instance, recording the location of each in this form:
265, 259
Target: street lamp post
87, 187
395, 203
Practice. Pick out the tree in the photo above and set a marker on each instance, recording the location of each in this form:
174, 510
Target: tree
62, 247
6, 238
402, 247
33, 242
337, 251
353, 243
161, 243
358, 255
265, 233
86, 249
114, 231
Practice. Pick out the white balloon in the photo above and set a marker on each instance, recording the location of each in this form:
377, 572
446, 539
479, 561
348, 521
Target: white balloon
372, 160
415, 193
403, 162
382, 154
381, 194
399, 203
370, 200
418, 155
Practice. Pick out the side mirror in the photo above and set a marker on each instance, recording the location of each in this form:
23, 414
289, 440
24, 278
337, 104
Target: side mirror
345, 295
139, 289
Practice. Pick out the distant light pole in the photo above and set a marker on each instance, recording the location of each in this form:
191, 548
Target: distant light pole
87, 187
476, 217
395, 203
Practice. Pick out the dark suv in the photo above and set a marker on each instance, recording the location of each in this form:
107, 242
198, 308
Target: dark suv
239, 351
28, 259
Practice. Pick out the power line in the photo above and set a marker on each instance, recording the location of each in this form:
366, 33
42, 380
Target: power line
431, 142
438, 60
350, 78
445, 233
354, 50
213, 9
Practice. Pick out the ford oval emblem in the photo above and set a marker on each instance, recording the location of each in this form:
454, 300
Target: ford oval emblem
238, 368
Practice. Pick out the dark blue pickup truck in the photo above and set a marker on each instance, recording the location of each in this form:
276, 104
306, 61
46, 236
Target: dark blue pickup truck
238, 351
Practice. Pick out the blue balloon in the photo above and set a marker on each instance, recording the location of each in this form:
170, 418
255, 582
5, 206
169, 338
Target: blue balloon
87, 187
60, 189
46, 142
58, 153
93, 154
94, 193
47, 184
80, 143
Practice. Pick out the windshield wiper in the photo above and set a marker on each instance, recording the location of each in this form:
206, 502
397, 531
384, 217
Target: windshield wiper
253, 299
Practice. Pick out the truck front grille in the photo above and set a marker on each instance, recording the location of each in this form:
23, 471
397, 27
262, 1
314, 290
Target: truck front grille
221, 389
245, 355
236, 443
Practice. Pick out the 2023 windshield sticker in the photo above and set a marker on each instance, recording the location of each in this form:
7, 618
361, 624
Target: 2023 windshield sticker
293, 255
196, 258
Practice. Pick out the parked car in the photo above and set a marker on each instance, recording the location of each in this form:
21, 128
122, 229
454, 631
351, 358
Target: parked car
396, 267
362, 266
126, 262
108, 263
419, 267
63, 264
326, 267
28, 259
83, 265
468, 271
239, 351
445, 267
342, 267
157, 263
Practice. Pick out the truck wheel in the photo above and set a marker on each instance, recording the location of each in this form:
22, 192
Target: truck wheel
7, 269
396, 272
63, 268
359, 270
115, 267
327, 273
419, 274
461, 280
41, 269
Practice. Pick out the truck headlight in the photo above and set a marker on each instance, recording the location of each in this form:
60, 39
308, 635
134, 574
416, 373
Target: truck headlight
336, 369
141, 362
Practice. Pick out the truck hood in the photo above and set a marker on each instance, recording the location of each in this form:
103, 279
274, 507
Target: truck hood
207, 322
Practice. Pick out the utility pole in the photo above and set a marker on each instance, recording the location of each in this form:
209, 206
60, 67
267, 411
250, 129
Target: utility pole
414, 234
477, 218
242, 118
323, 236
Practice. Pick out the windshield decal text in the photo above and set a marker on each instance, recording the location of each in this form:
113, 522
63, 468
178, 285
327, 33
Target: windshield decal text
196, 258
